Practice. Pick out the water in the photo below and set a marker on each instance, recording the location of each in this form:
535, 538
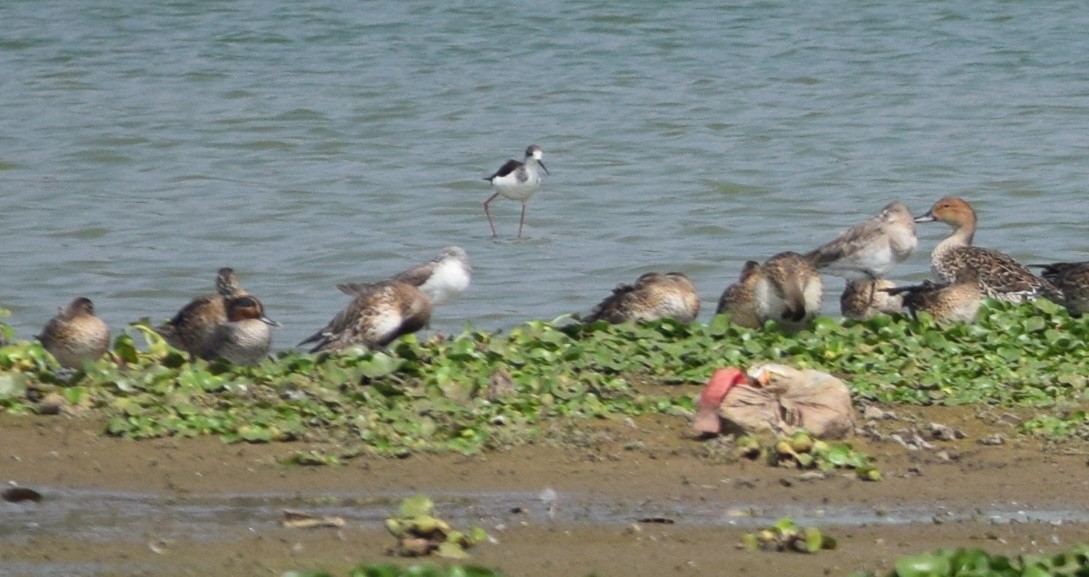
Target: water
106, 516
112, 517
305, 144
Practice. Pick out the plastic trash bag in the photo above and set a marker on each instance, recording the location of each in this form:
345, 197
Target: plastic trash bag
775, 398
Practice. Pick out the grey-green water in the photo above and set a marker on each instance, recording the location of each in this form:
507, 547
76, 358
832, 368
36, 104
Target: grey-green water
144, 145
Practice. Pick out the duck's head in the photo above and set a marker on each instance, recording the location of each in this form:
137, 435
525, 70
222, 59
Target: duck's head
81, 306
226, 282
951, 210
247, 308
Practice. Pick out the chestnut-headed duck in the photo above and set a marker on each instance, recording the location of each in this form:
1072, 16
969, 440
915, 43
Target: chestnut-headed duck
245, 339
1000, 276
192, 326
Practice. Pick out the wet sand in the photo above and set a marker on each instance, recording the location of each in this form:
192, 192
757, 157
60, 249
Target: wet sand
1009, 498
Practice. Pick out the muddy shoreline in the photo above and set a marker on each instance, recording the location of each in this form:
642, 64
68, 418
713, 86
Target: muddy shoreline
1007, 498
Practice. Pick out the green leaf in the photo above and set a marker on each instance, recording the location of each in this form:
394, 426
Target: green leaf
924, 565
451, 551
416, 506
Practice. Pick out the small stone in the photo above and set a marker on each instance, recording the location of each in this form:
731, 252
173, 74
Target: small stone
51, 404
872, 413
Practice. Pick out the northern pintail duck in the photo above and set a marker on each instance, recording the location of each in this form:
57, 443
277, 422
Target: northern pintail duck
870, 249
739, 299
75, 335
194, 324
1072, 278
864, 299
958, 301
443, 278
1000, 276
517, 181
245, 339
654, 296
786, 289
379, 313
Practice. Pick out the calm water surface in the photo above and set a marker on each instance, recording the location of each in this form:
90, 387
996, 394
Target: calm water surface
146, 145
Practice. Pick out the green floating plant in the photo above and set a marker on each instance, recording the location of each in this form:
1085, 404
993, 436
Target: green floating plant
479, 391
419, 533
804, 451
785, 535
979, 563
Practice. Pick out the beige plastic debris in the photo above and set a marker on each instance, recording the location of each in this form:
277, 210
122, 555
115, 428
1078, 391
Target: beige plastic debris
775, 398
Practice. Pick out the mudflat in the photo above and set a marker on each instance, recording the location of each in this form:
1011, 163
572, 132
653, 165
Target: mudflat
623, 497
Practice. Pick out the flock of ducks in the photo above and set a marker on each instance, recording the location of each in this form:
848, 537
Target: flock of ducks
786, 288
231, 325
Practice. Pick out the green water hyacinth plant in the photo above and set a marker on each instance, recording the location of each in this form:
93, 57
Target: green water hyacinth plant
477, 391
786, 535
419, 533
979, 563
804, 451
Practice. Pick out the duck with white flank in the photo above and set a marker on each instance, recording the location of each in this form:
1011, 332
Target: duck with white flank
517, 181
443, 278
946, 302
786, 289
378, 314
1072, 278
245, 339
190, 329
792, 294
654, 296
869, 250
864, 299
1000, 276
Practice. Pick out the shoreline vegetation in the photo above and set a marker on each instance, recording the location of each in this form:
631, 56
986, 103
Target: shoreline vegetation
479, 391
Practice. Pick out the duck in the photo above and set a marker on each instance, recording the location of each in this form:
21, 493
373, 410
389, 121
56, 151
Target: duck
192, 326
654, 296
517, 181
1000, 276
870, 249
786, 288
865, 299
378, 314
739, 299
791, 294
75, 335
443, 278
955, 302
1072, 278
246, 338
